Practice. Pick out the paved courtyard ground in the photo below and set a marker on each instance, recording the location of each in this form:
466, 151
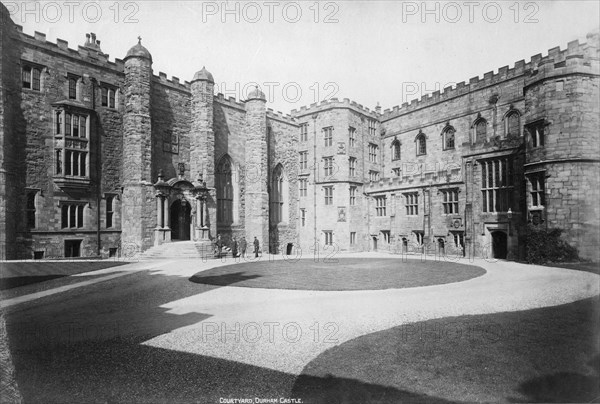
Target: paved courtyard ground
150, 332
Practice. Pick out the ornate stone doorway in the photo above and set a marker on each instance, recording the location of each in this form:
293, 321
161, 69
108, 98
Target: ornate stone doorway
181, 220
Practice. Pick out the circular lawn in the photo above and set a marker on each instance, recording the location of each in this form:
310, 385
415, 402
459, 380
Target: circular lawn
344, 274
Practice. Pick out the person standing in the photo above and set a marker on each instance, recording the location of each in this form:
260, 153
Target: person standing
219, 244
256, 247
243, 245
234, 248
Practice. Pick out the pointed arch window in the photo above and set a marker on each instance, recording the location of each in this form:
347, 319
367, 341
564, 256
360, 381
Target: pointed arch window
480, 129
421, 142
448, 137
512, 123
224, 185
396, 150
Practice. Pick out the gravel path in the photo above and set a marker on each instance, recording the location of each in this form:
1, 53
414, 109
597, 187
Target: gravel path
285, 329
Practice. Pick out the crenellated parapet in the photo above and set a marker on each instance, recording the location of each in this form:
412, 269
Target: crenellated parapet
575, 56
281, 117
174, 83
334, 103
229, 102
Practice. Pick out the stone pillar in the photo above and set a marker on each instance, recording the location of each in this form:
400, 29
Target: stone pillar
202, 140
256, 170
137, 207
166, 218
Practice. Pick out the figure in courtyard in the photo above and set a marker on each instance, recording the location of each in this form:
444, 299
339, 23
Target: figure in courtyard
243, 245
256, 247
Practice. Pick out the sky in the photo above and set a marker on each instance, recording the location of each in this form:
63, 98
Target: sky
301, 52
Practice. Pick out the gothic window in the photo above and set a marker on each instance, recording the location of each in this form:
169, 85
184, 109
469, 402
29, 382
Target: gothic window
72, 215
351, 137
328, 136
109, 210
352, 166
328, 237
372, 127
380, 206
303, 186
108, 96
373, 151
303, 160
303, 132
480, 126
512, 123
328, 166
352, 195
72, 86
536, 133
396, 150
170, 142
303, 217
373, 176
448, 138
421, 142
328, 195
31, 209
412, 203
224, 185
450, 201
537, 184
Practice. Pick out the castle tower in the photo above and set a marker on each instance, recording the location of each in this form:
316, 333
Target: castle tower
138, 206
202, 148
256, 170
561, 140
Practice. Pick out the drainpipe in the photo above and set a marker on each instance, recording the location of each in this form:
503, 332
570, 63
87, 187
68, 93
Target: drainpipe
98, 171
314, 117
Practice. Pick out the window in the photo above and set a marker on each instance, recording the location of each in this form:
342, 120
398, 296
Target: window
351, 137
328, 195
372, 127
72, 248
448, 138
108, 97
373, 149
30, 208
328, 166
352, 166
480, 130
72, 216
412, 204
303, 185
72, 87
386, 236
352, 196
397, 171
512, 125
328, 237
496, 185
71, 144
536, 133
303, 132
450, 201
109, 211
31, 77
395, 150
224, 185
352, 238
328, 136
303, 217
419, 235
373, 176
277, 195
303, 160
170, 142
380, 202
537, 190
421, 144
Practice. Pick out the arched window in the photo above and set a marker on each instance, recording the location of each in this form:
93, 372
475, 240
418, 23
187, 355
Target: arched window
448, 137
480, 126
224, 185
396, 150
277, 195
421, 142
512, 123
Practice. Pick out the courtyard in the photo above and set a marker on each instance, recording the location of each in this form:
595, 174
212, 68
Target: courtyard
357, 328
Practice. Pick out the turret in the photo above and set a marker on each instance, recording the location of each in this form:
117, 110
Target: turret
256, 169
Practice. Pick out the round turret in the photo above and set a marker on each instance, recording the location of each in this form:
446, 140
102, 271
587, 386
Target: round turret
256, 94
203, 75
138, 51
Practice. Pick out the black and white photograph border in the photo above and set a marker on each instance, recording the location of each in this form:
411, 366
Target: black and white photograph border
338, 202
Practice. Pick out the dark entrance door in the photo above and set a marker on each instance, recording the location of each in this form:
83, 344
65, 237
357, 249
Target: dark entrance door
499, 244
180, 220
374, 243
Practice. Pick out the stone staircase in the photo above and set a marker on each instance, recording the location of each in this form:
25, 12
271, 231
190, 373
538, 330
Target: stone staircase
181, 250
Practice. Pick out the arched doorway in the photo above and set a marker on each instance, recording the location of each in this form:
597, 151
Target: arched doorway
374, 243
441, 246
499, 244
180, 220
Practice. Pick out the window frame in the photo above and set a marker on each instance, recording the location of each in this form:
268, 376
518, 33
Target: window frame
411, 202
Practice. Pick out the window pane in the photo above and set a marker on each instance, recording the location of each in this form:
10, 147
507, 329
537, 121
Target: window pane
36, 80
80, 216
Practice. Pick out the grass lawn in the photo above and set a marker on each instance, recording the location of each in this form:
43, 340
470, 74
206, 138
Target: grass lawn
542, 355
345, 274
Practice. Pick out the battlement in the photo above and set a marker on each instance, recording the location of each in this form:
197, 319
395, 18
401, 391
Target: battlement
334, 103
575, 54
280, 116
229, 101
173, 83
88, 53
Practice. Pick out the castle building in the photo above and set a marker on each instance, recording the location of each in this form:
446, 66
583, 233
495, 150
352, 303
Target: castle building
100, 157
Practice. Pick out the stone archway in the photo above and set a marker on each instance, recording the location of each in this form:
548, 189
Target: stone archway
180, 215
